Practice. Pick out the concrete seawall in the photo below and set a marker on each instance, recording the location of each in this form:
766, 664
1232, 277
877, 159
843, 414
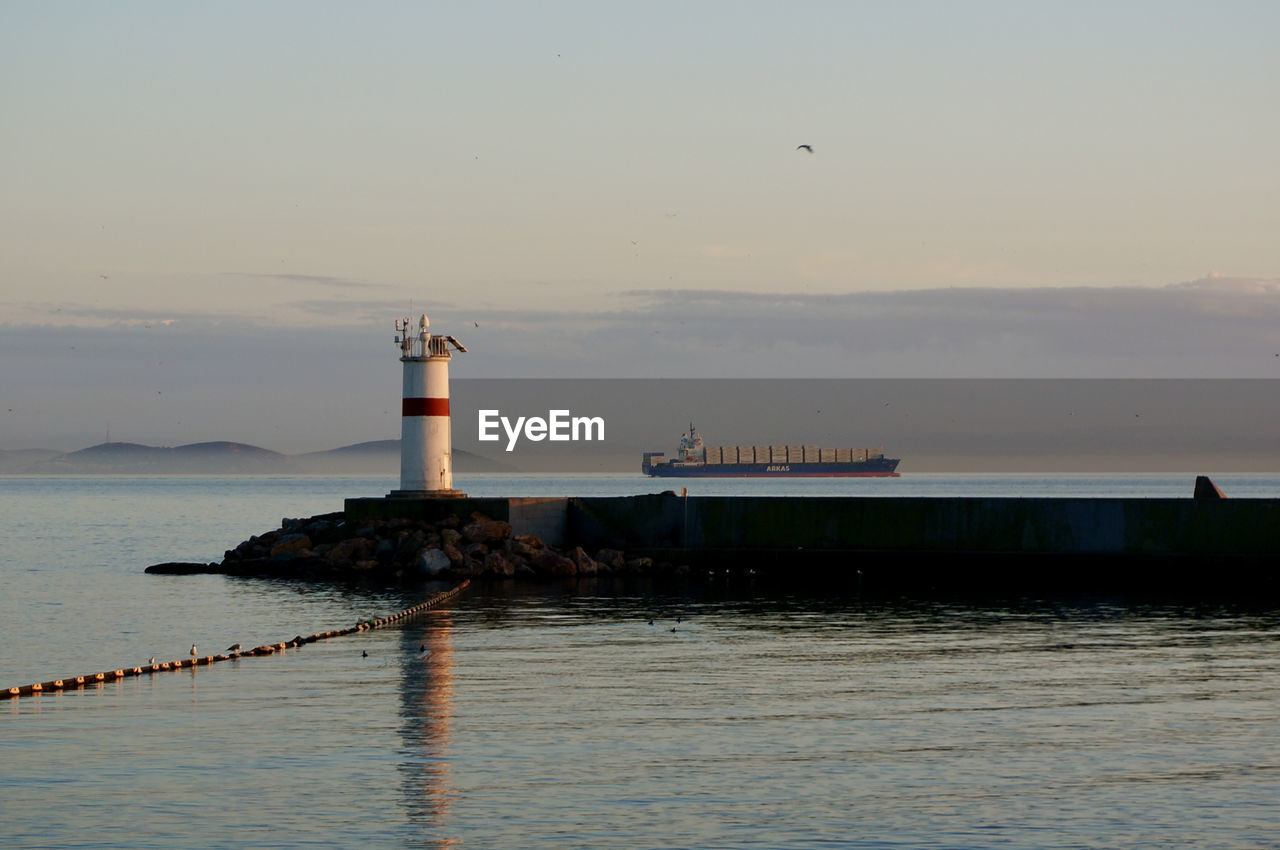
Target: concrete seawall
911, 539
1029, 526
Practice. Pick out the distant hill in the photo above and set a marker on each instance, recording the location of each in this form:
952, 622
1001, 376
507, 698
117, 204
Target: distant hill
18, 461
383, 456
217, 458
223, 458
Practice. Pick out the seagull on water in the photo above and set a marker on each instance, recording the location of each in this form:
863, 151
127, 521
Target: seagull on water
235, 647
194, 651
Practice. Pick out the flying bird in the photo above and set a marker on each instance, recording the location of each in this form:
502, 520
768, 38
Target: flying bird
804, 148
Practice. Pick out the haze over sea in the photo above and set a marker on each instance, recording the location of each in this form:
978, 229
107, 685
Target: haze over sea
558, 716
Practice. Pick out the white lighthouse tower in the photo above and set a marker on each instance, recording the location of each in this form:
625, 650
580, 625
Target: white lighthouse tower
426, 454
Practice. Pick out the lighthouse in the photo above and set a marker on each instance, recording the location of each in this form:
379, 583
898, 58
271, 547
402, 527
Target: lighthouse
426, 455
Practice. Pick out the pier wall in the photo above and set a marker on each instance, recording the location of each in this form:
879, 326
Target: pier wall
1013, 525
1010, 526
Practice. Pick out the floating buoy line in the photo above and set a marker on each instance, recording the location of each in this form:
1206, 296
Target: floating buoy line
72, 683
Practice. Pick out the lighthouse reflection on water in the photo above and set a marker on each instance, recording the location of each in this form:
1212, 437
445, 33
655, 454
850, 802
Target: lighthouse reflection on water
428, 694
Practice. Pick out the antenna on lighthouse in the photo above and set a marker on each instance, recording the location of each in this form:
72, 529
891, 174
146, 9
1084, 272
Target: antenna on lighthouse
426, 455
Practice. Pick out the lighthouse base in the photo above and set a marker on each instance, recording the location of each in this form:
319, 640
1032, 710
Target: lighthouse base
426, 494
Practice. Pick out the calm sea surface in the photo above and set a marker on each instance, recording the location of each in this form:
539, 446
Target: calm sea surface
541, 717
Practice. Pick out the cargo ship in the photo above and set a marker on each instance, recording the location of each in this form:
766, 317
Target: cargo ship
695, 460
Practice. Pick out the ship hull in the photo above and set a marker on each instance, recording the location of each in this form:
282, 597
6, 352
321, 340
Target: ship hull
880, 468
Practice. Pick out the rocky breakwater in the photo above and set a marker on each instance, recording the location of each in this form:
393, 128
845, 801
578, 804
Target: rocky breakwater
330, 547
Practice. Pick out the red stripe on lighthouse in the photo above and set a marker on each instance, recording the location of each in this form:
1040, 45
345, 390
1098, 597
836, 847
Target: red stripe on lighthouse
424, 407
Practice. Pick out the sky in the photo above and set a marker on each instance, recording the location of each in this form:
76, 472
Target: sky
211, 214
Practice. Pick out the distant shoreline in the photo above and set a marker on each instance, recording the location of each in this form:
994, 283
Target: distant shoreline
223, 458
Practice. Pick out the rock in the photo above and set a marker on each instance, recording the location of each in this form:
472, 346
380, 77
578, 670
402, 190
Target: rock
291, 544
328, 547
433, 562
639, 565
351, 549
408, 547
514, 547
496, 565
485, 530
182, 568
586, 566
548, 563
614, 559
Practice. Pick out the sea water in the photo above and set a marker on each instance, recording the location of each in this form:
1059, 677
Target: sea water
708, 714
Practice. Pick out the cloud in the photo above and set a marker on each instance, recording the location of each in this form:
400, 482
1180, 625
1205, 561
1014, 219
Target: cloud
1217, 326
77, 315
345, 311
1221, 283
1220, 328
311, 279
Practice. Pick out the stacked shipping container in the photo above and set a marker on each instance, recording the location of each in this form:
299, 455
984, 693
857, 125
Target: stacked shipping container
786, 454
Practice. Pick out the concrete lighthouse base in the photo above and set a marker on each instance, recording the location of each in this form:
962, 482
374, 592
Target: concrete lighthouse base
426, 494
